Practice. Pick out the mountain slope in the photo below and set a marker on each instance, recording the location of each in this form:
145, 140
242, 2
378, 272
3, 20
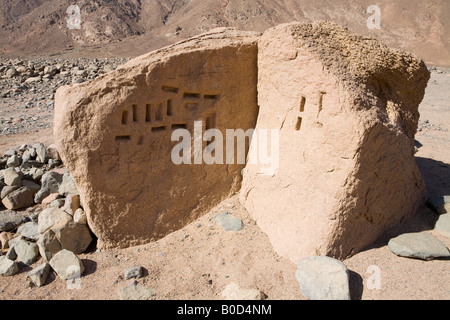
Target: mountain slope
132, 27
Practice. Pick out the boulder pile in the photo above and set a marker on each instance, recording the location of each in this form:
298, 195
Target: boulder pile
42, 215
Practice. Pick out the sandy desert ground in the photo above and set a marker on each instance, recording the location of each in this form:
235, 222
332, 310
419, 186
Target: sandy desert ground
199, 261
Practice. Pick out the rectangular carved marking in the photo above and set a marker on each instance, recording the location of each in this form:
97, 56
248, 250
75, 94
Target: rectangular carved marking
159, 129
125, 117
170, 89
169, 108
210, 122
135, 116
123, 138
188, 95
302, 104
211, 96
159, 114
298, 126
148, 114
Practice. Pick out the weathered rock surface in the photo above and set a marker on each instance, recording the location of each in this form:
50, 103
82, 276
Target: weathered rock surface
19, 199
49, 245
51, 217
40, 274
8, 267
228, 222
346, 111
233, 292
9, 220
421, 245
114, 135
73, 236
136, 291
323, 278
67, 265
27, 252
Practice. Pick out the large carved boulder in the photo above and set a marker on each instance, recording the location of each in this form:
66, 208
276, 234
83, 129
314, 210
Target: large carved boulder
346, 112
115, 135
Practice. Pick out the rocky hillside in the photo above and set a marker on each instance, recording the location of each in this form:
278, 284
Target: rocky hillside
126, 28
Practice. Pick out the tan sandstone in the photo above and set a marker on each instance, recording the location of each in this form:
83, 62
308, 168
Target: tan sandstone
346, 109
114, 135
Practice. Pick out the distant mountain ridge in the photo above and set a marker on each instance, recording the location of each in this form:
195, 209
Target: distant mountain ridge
127, 28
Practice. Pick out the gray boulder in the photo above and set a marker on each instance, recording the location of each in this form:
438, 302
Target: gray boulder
51, 180
9, 220
49, 245
8, 267
73, 236
12, 177
421, 245
67, 265
19, 199
228, 222
27, 252
323, 278
39, 274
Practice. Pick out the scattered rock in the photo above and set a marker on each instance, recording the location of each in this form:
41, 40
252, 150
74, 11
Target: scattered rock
228, 222
51, 180
13, 162
29, 230
4, 239
12, 177
133, 273
50, 217
71, 204
8, 267
233, 292
68, 185
41, 195
80, 217
27, 252
9, 220
137, 291
7, 190
443, 225
73, 236
421, 245
19, 199
67, 265
323, 278
40, 274
49, 245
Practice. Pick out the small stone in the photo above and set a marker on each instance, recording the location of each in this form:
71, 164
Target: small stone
68, 185
71, 204
7, 190
137, 291
52, 180
52, 152
41, 195
52, 197
443, 225
49, 245
233, 292
421, 245
40, 274
50, 217
8, 267
12, 177
13, 162
67, 265
9, 220
323, 278
41, 152
228, 222
29, 230
19, 199
27, 252
73, 236
133, 273
80, 216
32, 185
4, 238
